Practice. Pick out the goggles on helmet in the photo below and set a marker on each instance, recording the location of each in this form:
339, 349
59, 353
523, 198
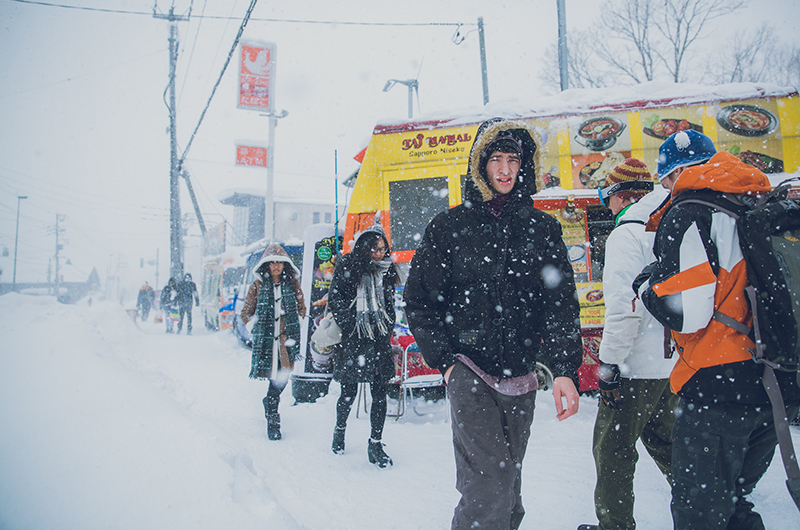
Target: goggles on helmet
627, 185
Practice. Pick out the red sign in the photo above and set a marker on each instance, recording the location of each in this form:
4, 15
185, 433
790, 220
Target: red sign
251, 156
256, 72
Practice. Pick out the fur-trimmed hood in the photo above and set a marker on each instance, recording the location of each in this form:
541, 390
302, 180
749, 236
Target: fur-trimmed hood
275, 252
477, 188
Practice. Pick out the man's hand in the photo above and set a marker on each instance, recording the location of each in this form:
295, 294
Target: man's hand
447, 373
609, 385
563, 387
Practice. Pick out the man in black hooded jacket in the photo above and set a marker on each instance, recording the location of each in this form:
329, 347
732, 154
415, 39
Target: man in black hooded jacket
490, 291
187, 293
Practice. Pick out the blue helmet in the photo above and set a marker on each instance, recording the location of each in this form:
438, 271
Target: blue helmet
684, 148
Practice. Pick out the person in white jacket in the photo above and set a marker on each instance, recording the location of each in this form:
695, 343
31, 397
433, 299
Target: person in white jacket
636, 401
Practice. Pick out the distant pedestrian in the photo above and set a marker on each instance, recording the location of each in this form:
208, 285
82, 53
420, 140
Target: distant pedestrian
145, 300
169, 299
187, 294
276, 303
636, 402
361, 299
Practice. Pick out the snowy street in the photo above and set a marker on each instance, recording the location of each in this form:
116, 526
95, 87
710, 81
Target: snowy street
110, 424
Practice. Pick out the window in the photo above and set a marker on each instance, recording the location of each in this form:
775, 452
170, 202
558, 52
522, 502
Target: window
316, 218
413, 203
328, 217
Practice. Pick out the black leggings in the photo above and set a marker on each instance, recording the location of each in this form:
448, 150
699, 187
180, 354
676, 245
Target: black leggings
377, 415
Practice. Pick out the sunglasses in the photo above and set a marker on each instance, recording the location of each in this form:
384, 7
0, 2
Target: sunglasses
628, 185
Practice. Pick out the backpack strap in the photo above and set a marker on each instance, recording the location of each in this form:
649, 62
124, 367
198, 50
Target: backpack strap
779, 418
782, 431
732, 323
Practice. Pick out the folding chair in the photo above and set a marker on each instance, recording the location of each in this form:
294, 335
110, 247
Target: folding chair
414, 378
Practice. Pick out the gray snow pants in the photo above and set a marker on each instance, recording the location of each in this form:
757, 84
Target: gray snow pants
490, 436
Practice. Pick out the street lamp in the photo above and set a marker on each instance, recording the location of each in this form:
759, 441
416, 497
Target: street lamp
412, 85
16, 241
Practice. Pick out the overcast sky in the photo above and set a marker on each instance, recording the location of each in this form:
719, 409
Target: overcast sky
84, 129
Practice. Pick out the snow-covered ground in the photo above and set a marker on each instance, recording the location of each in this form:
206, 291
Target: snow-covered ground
109, 424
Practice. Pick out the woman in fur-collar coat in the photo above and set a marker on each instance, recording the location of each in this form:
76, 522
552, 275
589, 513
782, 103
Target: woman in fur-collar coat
276, 311
361, 299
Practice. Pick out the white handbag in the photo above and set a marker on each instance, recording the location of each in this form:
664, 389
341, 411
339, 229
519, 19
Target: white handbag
327, 335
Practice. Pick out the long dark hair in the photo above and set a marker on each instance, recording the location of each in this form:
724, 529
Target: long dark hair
362, 255
362, 250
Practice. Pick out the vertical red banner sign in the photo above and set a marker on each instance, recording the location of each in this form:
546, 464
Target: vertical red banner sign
256, 74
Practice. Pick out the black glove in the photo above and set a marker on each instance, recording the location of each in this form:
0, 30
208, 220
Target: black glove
609, 385
643, 277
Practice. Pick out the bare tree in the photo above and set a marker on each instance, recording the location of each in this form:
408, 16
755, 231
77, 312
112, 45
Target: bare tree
681, 23
786, 66
747, 57
582, 63
629, 21
756, 56
642, 40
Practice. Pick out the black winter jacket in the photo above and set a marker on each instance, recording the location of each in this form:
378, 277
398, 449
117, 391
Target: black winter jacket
357, 359
498, 290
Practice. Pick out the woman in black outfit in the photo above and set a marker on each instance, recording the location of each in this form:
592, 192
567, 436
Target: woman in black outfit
361, 298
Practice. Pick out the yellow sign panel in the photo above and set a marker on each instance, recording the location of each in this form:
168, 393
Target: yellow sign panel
593, 308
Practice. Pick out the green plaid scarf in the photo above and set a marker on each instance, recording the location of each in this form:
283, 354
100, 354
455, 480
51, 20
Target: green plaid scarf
261, 362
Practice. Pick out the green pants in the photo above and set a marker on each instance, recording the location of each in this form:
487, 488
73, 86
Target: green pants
647, 411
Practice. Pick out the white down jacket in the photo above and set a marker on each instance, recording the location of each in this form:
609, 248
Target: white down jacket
632, 338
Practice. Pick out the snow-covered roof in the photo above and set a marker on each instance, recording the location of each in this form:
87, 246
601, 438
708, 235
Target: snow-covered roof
228, 194
654, 94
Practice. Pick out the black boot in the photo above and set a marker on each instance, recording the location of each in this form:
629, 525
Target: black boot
376, 454
338, 440
274, 426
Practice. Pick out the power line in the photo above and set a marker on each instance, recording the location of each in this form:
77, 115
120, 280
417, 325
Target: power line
280, 20
219, 79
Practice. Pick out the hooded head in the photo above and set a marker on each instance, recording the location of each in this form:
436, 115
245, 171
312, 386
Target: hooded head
366, 241
187, 277
171, 282
275, 252
499, 134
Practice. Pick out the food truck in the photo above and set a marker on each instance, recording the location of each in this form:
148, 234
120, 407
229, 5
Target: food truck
411, 171
222, 274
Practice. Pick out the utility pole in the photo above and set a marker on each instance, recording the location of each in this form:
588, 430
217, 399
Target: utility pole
175, 242
563, 55
269, 199
58, 248
16, 241
484, 72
